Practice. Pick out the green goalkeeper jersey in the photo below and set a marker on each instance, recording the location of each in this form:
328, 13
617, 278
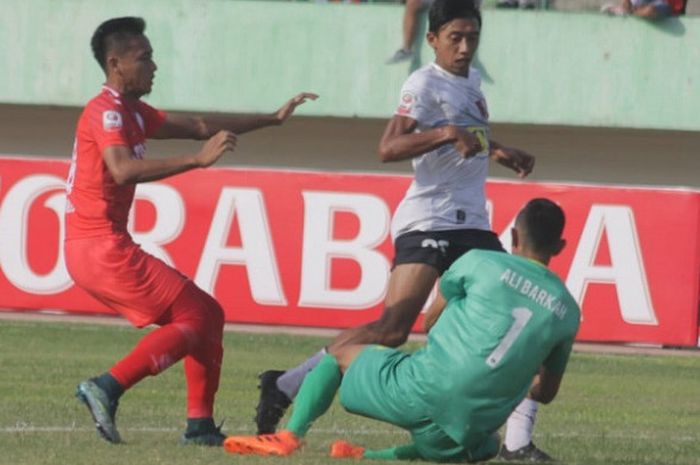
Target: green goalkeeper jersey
506, 316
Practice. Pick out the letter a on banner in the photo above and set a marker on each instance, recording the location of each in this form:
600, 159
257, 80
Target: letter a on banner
319, 247
626, 271
256, 251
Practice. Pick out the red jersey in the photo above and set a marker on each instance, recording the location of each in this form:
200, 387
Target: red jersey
96, 205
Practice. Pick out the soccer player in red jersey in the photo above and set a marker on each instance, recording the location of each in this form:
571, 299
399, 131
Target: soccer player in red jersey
108, 161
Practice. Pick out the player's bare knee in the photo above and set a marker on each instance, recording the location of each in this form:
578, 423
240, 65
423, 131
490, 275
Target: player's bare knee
391, 332
392, 337
342, 358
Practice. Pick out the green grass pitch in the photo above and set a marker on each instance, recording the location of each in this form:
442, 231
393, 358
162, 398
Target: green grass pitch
611, 409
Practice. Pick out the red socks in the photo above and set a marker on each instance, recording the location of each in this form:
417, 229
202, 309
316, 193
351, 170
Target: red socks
191, 328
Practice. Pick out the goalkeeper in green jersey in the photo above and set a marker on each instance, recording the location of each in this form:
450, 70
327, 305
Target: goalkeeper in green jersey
500, 330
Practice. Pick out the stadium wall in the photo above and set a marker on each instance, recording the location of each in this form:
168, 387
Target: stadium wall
554, 68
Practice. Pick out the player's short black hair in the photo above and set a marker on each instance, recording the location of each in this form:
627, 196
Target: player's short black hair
542, 222
114, 33
444, 11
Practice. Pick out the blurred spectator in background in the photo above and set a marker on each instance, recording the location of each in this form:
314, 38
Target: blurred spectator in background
649, 9
411, 15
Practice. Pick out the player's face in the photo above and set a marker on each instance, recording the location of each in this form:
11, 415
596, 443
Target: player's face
455, 45
137, 68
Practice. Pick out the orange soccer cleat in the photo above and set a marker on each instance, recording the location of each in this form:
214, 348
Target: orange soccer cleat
282, 443
344, 450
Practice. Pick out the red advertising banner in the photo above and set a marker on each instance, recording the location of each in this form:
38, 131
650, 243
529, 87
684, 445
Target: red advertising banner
314, 249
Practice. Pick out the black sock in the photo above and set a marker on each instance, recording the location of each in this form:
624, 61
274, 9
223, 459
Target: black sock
109, 385
200, 425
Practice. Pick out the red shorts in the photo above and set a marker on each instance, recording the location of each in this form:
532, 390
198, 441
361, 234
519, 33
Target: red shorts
115, 271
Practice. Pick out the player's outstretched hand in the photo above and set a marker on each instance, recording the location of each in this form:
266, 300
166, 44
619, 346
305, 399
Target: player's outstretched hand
468, 144
518, 160
215, 147
288, 108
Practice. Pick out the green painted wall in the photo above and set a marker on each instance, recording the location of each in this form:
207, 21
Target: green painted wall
237, 56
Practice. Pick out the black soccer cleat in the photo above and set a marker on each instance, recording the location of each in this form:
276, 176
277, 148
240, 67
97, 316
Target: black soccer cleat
102, 409
272, 403
209, 435
530, 453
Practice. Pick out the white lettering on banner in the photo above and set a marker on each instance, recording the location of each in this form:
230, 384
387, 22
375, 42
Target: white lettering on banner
626, 270
170, 218
319, 248
506, 236
256, 251
14, 224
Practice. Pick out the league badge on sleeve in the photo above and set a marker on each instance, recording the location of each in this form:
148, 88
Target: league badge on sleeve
111, 120
406, 105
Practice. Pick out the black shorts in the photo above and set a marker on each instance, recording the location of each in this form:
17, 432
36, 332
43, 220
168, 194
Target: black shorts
441, 248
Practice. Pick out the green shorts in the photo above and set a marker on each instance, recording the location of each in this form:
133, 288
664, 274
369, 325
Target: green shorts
372, 387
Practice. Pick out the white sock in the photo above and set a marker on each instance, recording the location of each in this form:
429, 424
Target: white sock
291, 380
520, 425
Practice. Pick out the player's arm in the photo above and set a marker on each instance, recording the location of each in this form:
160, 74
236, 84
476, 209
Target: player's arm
434, 311
518, 160
125, 169
545, 386
203, 127
400, 142
453, 285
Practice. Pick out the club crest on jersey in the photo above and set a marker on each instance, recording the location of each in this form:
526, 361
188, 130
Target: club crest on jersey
111, 120
407, 102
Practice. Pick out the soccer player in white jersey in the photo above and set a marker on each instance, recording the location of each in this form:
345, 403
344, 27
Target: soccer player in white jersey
441, 124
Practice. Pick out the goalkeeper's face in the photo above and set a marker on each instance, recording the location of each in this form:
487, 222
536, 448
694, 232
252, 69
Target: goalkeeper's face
455, 44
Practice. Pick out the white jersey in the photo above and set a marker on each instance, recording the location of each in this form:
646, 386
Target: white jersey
448, 191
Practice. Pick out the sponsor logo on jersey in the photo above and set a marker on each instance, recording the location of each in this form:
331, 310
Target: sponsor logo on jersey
406, 105
111, 121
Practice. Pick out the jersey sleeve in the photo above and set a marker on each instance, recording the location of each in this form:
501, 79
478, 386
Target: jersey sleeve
106, 125
556, 361
417, 100
152, 118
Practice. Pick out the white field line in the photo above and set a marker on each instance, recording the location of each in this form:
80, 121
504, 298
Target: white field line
29, 429
84, 322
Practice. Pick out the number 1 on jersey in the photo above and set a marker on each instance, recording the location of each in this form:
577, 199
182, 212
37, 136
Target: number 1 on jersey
521, 316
